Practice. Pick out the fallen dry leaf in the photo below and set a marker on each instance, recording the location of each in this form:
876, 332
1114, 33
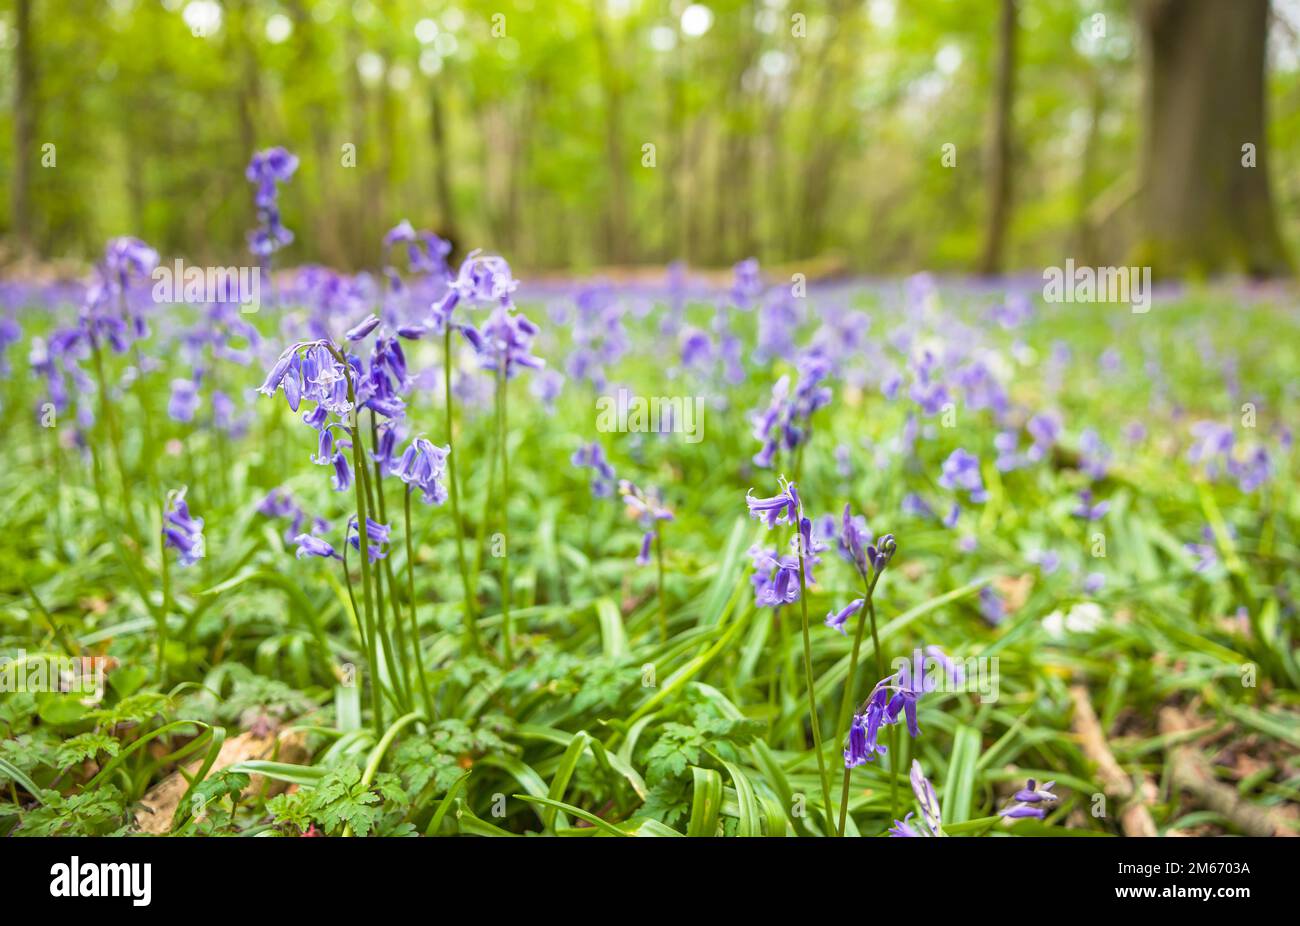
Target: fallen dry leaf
154, 814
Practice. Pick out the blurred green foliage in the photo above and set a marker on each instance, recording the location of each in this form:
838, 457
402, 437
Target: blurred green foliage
788, 129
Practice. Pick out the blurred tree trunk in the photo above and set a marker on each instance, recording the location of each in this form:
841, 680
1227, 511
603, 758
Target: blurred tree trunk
447, 226
999, 156
616, 250
24, 127
1203, 209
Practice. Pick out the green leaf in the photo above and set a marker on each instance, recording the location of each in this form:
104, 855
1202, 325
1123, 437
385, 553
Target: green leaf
706, 803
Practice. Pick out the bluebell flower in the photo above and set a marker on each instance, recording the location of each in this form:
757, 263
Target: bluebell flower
376, 538
423, 466
342, 478
363, 328
1029, 801
181, 532
775, 580
906, 693
1252, 471
184, 400
484, 278
324, 455
1046, 560
992, 608
507, 338
1045, 430
266, 171
647, 506
782, 508
837, 619
862, 747
546, 388
961, 471
1087, 510
748, 284
593, 456
931, 820
643, 556
1094, 455
309, 545
127, 259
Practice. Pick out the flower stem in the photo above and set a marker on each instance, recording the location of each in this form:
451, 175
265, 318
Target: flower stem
114, 436
386, 571
391, 653
663, 608
160, 671
415, 627
812, 691
846, 705
503, 390
471, 624
363, 543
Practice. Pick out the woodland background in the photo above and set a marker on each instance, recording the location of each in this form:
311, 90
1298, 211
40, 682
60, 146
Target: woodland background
1104, 130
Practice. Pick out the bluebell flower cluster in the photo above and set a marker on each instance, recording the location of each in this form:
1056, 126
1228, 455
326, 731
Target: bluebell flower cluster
266, 171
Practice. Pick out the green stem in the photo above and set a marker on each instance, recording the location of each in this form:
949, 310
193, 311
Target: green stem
385, 572
160, 671
471, 623
846, 704
503, 391
363, 544
114, 437
812, 690
663, 608
415, 627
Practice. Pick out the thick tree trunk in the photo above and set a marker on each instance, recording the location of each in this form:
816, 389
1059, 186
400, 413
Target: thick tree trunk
24, 127
999, 147
1203, 210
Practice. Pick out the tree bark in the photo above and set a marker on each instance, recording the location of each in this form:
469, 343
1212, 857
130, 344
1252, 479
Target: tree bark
999, 159
1202, 209
24, 128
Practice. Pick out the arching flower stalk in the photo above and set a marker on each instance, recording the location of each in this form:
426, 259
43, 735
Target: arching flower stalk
650, 511
319, 371
786, 508
869, 560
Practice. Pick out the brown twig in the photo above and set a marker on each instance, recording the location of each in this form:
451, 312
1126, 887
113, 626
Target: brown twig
1134, 818
1192, 772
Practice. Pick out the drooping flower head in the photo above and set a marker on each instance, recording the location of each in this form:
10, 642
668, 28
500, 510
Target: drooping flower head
648, 509
592, 456
1030, 801
311, 545
507, 343
181, 532
837, 619
782, 508
422, 467
1087, 510
376, 538
484, 279
961, 471
784, 423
